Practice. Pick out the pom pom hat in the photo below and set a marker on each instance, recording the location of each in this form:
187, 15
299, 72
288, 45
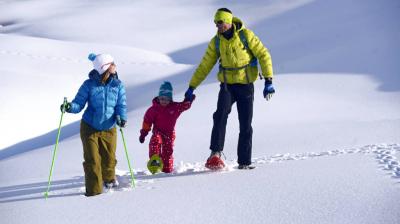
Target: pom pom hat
166, 90
101, 62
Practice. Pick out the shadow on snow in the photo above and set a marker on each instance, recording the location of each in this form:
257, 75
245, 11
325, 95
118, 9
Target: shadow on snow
145, 92
34, 191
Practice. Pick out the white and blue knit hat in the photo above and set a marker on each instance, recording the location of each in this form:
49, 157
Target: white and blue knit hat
166, 90
101, 62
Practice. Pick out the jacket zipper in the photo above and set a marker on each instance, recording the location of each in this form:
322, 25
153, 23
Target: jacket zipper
105, 101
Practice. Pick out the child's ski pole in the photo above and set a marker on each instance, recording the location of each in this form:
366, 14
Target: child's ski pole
127, 157
55, 148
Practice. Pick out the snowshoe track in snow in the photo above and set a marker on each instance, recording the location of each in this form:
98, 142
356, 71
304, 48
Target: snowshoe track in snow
384, 154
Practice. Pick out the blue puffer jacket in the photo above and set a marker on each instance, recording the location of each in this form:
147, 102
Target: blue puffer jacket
105, 101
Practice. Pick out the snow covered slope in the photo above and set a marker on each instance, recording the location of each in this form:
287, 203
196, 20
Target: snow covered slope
325, 146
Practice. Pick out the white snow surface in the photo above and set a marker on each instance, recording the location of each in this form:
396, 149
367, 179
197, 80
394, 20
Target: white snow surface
325, 146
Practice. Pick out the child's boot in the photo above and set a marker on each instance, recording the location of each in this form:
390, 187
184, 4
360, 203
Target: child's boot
111, 184
155, 164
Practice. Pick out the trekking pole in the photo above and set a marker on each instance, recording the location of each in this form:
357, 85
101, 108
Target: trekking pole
127, 157
46, 195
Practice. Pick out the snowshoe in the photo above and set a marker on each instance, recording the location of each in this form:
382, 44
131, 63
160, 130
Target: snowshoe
246, 167
155, 164
214, 162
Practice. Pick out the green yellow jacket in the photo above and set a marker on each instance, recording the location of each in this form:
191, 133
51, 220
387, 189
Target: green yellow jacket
234, 55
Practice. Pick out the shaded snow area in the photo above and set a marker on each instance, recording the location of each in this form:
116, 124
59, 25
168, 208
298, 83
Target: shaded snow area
325, 147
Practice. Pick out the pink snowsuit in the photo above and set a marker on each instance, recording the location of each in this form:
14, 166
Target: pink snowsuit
163, 120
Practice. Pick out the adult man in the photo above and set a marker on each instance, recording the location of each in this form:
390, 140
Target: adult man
238, 49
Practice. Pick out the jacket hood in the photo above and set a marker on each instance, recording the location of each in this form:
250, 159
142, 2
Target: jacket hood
94, 75
155, 101
238, 24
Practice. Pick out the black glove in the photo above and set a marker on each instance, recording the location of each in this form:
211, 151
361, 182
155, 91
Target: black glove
121, 122
65, 107
143, 135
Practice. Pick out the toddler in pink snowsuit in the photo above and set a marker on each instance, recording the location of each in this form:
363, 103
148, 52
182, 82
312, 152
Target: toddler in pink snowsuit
163, 115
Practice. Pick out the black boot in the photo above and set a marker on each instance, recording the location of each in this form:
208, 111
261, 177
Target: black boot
246, 167
111, 184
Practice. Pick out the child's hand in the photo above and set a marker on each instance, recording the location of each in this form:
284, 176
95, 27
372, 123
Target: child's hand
189, 93
191, 98
143, 135
121, 122
141, 138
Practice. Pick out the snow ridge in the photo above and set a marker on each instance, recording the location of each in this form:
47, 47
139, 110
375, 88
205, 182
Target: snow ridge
70, 59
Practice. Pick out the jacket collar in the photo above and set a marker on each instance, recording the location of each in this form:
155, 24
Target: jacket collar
95, 76
156, 103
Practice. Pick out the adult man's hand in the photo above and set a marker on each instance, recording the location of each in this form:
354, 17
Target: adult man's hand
268, 89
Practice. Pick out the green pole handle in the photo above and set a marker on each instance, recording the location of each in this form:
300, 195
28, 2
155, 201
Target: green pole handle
46, 195
127, 157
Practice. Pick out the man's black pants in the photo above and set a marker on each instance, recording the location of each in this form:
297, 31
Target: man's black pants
243, 95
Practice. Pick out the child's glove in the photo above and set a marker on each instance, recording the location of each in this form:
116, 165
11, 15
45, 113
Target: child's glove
189, 94
191, 99
66, 107
121, 122
268, 89
143, 135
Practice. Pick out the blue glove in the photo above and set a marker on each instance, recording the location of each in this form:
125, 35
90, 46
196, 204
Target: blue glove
189, 94
268, 89
121, 122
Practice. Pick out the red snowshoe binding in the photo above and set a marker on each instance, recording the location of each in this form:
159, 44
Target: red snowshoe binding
214, 162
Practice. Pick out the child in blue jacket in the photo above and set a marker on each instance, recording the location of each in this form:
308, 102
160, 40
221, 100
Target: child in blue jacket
105, 96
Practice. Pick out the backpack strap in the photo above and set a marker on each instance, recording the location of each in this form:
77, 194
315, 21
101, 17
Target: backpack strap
217, 40
243, 39
253, 61
217, 46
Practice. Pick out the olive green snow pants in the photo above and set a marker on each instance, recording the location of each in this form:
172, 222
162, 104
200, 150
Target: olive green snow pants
99, 157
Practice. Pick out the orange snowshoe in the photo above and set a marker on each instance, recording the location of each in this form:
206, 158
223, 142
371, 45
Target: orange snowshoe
214, 162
